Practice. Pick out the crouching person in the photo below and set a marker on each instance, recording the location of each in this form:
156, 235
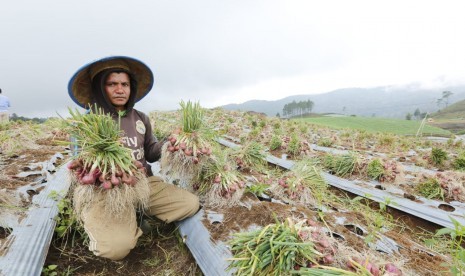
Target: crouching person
114, 85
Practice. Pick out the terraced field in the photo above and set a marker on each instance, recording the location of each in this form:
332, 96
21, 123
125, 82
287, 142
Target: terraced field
366, 203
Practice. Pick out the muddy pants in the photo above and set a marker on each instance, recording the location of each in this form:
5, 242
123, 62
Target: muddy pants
113, 239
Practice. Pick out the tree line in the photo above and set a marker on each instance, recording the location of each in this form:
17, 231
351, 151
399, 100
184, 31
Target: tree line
297, 108
417, 114
15, 117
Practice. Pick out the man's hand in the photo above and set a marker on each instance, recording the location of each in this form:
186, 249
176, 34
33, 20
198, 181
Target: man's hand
140, 166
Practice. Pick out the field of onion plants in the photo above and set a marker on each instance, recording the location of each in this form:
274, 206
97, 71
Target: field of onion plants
298, 224
275, 219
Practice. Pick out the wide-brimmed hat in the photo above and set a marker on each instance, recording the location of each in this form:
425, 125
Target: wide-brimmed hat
80, 85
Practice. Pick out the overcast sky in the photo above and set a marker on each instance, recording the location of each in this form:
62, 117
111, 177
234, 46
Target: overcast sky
219, 52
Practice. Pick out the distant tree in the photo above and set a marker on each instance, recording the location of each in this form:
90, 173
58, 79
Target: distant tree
439, 102
423, 115
277, 115
408, 116
310, 105
294, 107
301, 107
445, 96
297, 108
417, 113
15, 117
344, 110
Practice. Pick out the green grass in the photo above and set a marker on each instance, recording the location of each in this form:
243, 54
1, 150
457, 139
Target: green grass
452, 112
395, 126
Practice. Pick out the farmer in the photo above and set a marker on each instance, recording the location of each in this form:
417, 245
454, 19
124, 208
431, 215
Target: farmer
4, 105
116, 84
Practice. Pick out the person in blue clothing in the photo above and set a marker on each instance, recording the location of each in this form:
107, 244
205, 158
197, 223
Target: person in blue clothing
4, 105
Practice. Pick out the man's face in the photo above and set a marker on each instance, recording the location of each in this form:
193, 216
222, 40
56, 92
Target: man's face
118, 89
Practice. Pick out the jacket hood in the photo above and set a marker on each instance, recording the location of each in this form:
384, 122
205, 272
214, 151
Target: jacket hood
100, 97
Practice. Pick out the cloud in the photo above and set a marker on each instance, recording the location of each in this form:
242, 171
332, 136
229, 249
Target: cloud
218, 52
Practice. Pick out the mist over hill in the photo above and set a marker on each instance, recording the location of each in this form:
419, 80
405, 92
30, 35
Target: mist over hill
386, 101
453, 111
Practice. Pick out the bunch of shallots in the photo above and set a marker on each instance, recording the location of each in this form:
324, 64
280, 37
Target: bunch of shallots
86, 175
101, 159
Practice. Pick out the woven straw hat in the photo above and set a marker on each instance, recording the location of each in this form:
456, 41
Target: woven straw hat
80, 85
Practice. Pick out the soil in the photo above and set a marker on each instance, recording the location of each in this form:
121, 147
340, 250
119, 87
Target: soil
453, 126
159, 252
4, 232
10, 167
17, 163
415, 257
261, 213
162, 252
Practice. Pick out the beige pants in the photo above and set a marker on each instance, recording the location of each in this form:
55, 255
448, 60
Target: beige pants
113, 239
4, 117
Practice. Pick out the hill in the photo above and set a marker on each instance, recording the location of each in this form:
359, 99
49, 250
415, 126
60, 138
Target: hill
451, 118
385, 101
453, 111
